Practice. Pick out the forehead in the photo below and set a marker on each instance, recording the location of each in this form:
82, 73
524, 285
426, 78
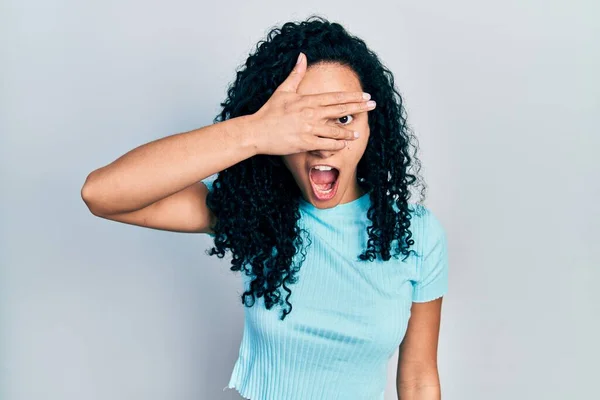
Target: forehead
329, 77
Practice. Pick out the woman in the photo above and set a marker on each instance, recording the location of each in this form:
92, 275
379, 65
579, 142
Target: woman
316, 217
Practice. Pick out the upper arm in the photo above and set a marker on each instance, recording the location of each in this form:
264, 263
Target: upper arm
419, 346
432, 266
183, 211
417, 357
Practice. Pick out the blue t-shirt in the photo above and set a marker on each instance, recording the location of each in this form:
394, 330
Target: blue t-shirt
349, 316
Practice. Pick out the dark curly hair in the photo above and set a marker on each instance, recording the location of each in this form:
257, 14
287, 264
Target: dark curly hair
256, 201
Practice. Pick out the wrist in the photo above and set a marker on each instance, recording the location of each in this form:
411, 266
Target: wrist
254, 132
246, 133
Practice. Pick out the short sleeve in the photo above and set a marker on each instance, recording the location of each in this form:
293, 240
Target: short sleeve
432, 280
209, 181
209, 184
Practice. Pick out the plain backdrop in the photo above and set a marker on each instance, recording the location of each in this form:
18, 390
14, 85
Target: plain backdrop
504, 97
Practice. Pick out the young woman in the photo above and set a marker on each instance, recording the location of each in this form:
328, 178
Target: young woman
311, 198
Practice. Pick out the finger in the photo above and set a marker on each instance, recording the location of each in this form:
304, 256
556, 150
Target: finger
290, 84
340, 110
329, 98
328, 144
334, 132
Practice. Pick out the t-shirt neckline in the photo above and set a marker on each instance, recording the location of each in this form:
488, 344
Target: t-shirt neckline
359, 204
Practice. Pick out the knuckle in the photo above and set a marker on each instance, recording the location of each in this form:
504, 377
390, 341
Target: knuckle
305, 143
342, 108
339, 97
308, 112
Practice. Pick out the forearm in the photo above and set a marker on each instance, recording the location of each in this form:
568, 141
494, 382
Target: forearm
165, 166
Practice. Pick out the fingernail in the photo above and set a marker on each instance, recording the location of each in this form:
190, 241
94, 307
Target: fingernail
366, 96
299, 58
356, 134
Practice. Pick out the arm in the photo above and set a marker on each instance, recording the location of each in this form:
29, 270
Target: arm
158, 184
417, 377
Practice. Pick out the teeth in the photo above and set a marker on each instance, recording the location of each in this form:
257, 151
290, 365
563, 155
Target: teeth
325, 191
323, 167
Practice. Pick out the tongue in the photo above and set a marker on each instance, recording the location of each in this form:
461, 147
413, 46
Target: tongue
324, 177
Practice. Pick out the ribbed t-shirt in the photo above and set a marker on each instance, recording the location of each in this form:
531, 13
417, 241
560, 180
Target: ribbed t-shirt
349, 316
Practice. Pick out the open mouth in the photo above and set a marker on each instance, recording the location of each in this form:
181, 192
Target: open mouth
324, 181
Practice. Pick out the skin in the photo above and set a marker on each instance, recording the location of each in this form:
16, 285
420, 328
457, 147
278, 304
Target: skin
321, 78
417, 375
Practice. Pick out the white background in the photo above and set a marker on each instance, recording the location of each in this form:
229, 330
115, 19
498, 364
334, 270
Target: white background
504, 97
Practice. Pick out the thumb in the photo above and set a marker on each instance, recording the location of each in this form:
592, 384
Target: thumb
290, 84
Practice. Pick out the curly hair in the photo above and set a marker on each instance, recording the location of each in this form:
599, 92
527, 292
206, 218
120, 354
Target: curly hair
256, 201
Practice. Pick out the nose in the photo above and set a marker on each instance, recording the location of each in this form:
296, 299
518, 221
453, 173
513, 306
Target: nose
321, 153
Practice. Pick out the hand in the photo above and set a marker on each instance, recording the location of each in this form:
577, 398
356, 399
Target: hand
292, 123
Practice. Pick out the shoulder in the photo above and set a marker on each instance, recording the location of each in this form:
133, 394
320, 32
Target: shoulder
426, 227
423, 218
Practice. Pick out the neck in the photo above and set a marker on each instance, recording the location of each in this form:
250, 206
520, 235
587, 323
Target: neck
352, 193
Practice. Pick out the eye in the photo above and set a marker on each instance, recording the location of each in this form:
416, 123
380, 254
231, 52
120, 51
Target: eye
346, 122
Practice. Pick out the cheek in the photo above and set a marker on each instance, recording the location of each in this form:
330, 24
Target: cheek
356, 148
293, 163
